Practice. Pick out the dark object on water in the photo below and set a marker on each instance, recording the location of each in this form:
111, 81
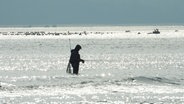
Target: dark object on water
127, 31
156, 31
75, 59
138, 33
69, 70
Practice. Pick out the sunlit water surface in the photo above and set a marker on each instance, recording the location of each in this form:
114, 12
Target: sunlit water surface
116, 71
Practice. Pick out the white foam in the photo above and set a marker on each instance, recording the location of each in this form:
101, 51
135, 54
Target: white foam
96, 32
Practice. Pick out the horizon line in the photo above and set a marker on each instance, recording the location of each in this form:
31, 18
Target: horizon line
90, 25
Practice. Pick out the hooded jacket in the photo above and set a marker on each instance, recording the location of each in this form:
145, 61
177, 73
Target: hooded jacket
75, 56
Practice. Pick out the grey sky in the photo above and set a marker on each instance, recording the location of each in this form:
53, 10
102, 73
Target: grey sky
58, 12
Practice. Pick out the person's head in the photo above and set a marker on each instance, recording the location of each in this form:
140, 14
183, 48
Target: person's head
78, 47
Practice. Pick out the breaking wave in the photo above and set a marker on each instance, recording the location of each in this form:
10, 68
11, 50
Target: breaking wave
79, 82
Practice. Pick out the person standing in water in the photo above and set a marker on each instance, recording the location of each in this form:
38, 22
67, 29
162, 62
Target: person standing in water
75, 59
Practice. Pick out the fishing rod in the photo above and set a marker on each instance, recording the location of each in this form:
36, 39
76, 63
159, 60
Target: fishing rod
70, 44
68, 69
103, 60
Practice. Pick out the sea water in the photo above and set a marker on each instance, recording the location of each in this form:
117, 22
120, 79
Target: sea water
119, 68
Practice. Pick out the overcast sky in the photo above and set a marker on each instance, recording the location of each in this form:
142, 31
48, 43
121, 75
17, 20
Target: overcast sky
76, 12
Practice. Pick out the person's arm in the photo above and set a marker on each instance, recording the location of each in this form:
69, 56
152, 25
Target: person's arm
82, 60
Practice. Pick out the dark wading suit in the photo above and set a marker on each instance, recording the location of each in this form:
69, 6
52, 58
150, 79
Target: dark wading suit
75, 59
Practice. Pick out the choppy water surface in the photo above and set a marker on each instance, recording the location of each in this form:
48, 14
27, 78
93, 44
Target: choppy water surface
116, 71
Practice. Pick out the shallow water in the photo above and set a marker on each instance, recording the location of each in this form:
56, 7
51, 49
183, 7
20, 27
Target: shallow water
116, 71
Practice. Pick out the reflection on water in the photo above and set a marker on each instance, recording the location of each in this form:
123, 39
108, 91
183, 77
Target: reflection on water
133, 70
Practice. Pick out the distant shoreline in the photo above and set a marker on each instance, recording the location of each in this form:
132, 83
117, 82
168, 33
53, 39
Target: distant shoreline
94, 28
